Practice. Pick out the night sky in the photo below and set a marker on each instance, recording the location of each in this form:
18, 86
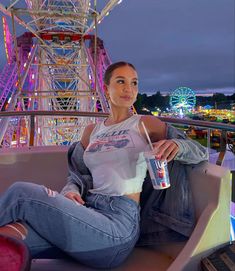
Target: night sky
172, 43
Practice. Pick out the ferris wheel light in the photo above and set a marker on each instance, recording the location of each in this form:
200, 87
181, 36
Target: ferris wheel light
7, 39
182, 99
58, 76
181, 113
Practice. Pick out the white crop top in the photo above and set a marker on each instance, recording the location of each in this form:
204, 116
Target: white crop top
115, 158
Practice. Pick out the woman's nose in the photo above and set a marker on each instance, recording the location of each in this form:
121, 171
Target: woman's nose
127, 88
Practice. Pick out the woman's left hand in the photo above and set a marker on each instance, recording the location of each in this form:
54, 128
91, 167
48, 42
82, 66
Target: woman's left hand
165, 150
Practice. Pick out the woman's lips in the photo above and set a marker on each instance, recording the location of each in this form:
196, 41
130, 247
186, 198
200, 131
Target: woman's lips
127, 98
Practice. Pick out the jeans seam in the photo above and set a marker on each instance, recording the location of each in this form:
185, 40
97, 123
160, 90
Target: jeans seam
6, 210
40, 246
111, 206
133, 217
130, 245
75, 218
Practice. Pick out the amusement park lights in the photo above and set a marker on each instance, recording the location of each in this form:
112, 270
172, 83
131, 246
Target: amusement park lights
7, 38
182, 99
55, 54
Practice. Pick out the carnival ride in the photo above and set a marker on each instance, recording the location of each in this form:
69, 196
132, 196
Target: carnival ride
58, 64
211, 196
182, 100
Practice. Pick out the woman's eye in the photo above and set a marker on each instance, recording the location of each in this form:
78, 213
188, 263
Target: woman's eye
120, 81
135, 83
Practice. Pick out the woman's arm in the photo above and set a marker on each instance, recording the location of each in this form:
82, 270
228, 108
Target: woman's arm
190, 151
170, 143
164, 149
71, 189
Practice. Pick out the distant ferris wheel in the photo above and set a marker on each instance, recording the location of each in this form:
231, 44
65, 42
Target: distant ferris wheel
182, 98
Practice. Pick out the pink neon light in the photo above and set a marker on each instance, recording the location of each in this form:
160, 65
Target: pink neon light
7, 39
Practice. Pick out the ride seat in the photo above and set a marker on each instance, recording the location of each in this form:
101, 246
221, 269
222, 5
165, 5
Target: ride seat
211, 193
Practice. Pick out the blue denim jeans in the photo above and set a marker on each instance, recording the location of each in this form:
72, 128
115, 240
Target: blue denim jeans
100, 234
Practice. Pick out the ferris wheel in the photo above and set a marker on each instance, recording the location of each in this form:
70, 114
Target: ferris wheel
182, 98
57, 64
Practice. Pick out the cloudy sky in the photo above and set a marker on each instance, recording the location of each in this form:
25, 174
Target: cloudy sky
173, 43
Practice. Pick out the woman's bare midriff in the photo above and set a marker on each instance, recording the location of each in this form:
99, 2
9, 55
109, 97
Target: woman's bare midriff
134, 196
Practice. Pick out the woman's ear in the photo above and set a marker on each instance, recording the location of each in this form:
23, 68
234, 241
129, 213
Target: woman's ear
106, 93
105, 88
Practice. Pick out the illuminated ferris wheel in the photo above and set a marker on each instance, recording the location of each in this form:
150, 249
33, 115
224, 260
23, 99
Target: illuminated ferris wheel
57, 64
182, 99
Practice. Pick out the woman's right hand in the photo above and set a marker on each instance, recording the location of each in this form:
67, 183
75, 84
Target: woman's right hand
75, 197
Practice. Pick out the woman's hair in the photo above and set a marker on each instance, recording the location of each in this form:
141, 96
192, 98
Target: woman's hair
109, 71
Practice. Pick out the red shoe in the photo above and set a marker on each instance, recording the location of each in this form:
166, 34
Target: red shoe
14, 255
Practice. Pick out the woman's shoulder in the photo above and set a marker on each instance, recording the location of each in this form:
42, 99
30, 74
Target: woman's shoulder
90, 126
86, 134
151, 121
155, 127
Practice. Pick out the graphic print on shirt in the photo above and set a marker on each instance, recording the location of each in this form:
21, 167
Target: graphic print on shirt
111, 141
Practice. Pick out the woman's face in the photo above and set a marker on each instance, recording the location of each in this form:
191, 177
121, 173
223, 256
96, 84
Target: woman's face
123, 87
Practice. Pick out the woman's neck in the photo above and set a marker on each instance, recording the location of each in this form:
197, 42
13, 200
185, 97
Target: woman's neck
114, 118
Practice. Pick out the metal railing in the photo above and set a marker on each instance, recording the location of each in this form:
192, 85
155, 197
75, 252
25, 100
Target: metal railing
209, 126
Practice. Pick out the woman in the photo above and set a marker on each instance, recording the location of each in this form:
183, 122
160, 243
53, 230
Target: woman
101, 228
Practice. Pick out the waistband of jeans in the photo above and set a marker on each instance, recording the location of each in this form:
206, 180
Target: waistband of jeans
132, 203
127, 199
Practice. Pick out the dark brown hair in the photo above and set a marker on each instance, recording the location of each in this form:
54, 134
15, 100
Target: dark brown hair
109, 71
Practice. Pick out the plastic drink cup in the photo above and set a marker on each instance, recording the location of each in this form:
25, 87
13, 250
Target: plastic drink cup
158, 171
